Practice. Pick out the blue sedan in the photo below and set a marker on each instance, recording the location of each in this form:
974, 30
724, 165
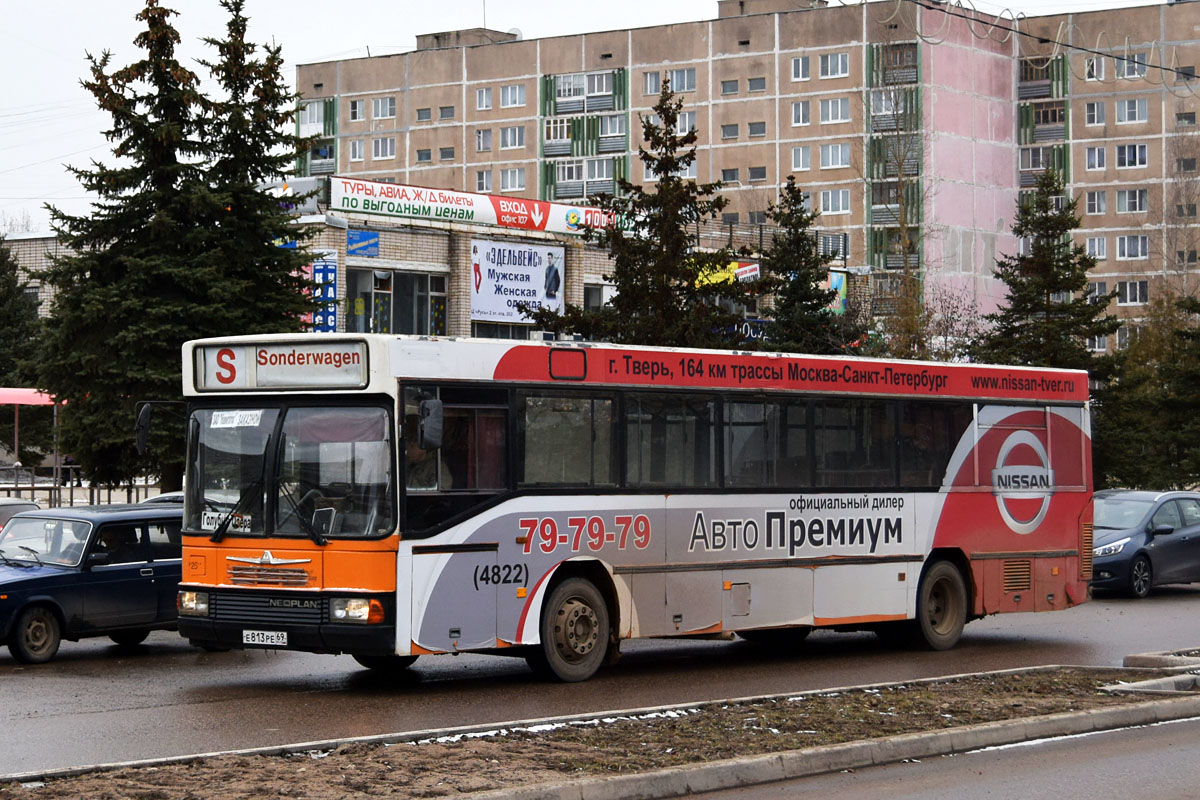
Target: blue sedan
1145, 539
71, 573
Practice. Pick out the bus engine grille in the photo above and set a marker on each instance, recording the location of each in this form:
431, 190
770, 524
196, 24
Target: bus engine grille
268, 609
255, 575
1018, 576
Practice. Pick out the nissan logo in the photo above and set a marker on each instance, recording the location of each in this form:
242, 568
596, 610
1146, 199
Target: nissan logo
1022, 481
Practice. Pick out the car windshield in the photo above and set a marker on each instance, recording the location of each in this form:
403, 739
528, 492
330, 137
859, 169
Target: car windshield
50, 541
1118, 512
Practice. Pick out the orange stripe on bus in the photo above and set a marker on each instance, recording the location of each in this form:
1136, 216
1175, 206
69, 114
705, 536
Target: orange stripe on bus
857, 620
416, 650
710, 629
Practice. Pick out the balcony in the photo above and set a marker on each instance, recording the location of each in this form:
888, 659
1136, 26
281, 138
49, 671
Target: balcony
322, 166
599, 102
558, 147
611, 144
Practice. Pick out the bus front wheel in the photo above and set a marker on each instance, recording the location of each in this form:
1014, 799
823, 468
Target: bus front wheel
386, 663
942, 606
574, 631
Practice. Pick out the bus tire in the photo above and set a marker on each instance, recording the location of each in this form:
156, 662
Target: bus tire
574, 631
36, 636
386, 663
129, 638
941, 606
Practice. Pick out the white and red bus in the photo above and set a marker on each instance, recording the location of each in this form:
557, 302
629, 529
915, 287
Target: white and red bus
393, 497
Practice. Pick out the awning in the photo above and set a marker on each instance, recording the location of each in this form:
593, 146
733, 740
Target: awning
24, 397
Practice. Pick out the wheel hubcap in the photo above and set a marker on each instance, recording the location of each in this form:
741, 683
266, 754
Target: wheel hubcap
37, 636
575, 635
939, 607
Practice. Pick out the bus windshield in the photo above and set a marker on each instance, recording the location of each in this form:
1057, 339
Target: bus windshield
306, 471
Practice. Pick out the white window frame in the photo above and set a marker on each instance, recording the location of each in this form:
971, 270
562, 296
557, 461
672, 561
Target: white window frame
612, 125
358, 111
358, 150
483, 140
567, 87
1097, 248
1132, 201
558, 129
512, 96
1093, 113
1097, 344
800, 68
383, 148
651, 83
1133, 293
1096, 158
835, 156
483, 181
834, 65
801, 114
835, 201
512, 137
685, 76
686, 122
1141, 156
1140, 107
483, 99
569, 170
1093, 68
1138, 251
839, 104
599, 83
512, 179
600, 169
1095, 202
383, 107
802, 158
1132, 66
312, 113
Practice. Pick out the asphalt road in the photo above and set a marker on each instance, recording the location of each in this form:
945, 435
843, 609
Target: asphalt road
97, 703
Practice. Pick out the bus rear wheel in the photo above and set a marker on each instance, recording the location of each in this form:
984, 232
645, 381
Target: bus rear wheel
575, 632
386, 663
942, 606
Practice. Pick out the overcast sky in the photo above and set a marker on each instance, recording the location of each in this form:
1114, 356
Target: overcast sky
47, 120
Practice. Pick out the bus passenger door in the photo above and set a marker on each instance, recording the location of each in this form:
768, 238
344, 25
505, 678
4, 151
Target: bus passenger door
454, 597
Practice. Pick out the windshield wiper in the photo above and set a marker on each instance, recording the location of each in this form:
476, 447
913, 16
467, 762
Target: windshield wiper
223, 526
9, 562
32, 552
305, 525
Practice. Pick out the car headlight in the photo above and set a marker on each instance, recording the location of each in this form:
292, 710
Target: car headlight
1110, 549
355, 609
194, 604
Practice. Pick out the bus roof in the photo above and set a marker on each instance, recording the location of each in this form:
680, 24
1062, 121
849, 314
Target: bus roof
373, 362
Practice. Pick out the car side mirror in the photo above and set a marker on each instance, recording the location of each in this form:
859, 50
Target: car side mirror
96, 559
1162, 530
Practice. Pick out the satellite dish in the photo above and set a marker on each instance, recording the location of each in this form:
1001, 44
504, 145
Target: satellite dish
517, 32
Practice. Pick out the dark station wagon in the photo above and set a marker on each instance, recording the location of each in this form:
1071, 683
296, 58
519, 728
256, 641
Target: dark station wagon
72, 573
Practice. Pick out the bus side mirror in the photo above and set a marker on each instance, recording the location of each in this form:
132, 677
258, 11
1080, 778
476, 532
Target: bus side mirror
429, 431
142, 428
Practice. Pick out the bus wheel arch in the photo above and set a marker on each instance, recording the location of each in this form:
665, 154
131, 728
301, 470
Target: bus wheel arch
576, 623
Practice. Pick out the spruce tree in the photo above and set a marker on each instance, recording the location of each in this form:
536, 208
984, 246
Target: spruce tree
248, 141
670, 292
793, 268
137, 281
19, 329
1049, 313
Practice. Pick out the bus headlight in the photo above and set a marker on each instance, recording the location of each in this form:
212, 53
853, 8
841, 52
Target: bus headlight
194, 604
355, 609
1110, 549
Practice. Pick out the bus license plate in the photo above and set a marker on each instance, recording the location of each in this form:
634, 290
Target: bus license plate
269, 638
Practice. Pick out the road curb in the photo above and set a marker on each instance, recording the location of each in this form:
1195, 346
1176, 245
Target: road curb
751, 770
1165, 659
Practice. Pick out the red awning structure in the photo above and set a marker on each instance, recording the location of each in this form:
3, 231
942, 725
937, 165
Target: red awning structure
24, 397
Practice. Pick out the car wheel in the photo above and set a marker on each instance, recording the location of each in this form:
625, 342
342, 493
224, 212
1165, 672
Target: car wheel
574, 631
386, 663
129, 638
1140, 576
942, 606
36, 636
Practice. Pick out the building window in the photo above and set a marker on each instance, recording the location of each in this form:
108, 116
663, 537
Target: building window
424, 114
383, 301
758, 174
312, 113
729, 218
567, 87
445, 112
1185, 119
1097, 248
683, 80
1096, 202
424, 156
383, 148
757, 218
800, 113
1049, 114
1132, 66
1185, 210
800, 68
1131, 155
1132, 293
729, 131
483, 140
1097, 292
569, 171
1132, 248
358, 110
1093, 113
512, 179
1095, 158
599, 83
1185, 258
756, 129
446, 153
1035, 158
1093, 68
685, 123
1060, 297
729, 176
651, 83
383, 108
1097, 344
835, 110
557, 130
835, 201
801, 158
483, 99
357, 150
1185, 74
1185, 165
612, 125
483, 180
756, 84
1127, 335
835, 155
835, 65
1131, 201
1132, 110
600, 169
729, 87
512, 96
512, 137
